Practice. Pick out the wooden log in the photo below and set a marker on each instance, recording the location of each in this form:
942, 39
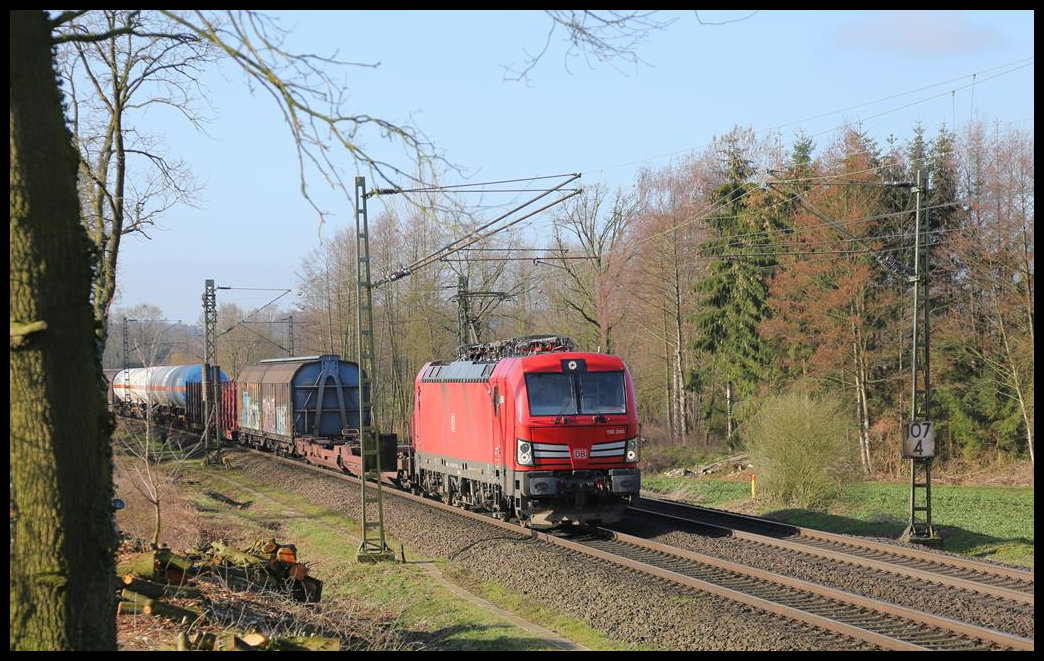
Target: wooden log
229, 642
165, 557
152, 589
141, 585
172, 612
202, 641
255, 639
236, 557
173, 568
135, 597
243, 578
130, 608
305, 643
140, 564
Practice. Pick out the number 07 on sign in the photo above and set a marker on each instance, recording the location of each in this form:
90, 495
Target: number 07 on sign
919, 440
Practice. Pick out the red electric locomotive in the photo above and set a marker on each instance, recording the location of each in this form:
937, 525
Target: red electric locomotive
531, 428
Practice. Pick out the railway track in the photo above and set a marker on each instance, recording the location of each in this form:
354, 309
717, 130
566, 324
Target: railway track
858, 618
961, 573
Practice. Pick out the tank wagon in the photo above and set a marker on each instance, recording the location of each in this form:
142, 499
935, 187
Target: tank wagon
174, 391
528, 427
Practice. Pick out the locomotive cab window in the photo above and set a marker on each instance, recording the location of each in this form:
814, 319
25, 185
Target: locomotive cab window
551, 393
591, 393
602, 392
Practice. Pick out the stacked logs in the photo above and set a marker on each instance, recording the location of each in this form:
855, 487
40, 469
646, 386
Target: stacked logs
266, 563
226, 641
147, 579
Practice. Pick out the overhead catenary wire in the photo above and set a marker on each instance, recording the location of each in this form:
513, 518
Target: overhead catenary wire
240, 322
476, 235
1009, 67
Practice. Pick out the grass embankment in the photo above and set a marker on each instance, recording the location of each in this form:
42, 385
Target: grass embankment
981, 521
424, 614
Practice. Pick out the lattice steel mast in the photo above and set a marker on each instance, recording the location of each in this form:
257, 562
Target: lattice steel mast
374, 546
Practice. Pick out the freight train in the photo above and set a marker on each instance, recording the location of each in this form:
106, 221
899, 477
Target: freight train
527, 428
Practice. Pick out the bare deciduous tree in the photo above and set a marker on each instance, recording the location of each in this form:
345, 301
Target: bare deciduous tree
594, 226
126, 179
155, 457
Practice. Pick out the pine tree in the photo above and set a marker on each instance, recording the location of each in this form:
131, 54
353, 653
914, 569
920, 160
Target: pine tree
734, 293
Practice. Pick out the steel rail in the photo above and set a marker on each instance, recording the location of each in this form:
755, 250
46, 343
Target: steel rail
1022, 579
857, 560
855, 632
962, 628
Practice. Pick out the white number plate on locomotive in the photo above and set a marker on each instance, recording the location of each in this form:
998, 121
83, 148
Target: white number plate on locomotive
579, 454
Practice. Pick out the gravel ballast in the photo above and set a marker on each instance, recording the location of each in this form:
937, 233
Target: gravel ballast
953, 603
629, 607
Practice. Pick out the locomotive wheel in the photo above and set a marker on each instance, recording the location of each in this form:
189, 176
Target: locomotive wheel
522, 519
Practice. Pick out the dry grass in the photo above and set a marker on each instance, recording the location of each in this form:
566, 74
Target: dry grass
241, 609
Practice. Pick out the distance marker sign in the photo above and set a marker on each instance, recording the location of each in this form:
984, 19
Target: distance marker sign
919, 440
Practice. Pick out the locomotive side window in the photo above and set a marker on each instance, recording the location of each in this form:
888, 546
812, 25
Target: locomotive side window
602, 392
551, 393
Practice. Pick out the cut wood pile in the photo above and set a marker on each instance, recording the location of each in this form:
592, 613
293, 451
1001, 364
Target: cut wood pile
163, 584
734, 464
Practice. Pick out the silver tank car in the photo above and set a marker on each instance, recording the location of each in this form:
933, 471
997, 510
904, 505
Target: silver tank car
160, 386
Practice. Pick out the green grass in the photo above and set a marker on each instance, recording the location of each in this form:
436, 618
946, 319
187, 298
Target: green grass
987, 522
423, 611
710, 493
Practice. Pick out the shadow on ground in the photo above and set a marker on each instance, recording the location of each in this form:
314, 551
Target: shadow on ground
457, 638
955, 538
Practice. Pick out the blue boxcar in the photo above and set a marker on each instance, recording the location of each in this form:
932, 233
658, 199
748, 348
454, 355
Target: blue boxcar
284, 400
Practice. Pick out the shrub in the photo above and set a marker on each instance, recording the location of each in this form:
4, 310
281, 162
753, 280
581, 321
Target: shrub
803, 449
658, 454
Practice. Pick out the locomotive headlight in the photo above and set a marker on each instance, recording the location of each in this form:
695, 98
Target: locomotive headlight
632, 449
524, 452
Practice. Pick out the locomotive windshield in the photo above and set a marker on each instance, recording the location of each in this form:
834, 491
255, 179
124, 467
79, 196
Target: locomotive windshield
558, 393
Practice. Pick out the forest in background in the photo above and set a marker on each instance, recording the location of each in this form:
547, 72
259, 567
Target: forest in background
748, 268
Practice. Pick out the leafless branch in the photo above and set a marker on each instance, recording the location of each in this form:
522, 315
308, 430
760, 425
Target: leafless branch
608, 36
735, 20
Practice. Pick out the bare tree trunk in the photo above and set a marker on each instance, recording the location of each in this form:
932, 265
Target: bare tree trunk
862, 408
728, 413
861, 412
62, 533
1012, 369
864, 429
672, 424
679, 362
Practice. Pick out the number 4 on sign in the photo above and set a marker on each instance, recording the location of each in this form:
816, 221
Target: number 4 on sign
919, 440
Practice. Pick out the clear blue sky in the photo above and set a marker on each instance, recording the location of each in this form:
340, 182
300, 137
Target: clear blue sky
791, 71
